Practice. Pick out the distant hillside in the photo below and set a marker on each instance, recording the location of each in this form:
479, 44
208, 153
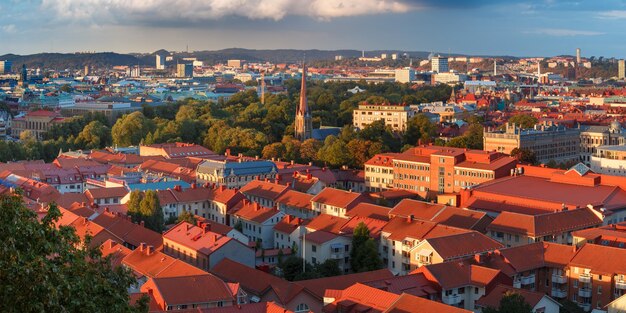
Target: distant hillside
61, 61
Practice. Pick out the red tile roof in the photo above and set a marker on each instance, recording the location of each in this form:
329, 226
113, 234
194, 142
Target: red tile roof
263, 189
463, 244
338, 198
600, 259
158, 264
128, 231
546, 224
295, 199
370, 210
188, 290
253, 211
359, 298
115, 251
414, 284
458, 274
400, 228
446, 215
318, 286
288, 224
196, 238
409, 303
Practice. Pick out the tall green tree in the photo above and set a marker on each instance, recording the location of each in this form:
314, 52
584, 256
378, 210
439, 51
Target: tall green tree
94, 136
364, 253
151, 211
49, 269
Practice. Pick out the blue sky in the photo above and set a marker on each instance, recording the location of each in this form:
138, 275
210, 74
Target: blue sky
520, 28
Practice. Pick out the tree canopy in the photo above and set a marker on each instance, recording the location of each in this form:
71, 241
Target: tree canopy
511, 302
364, 253
45, 268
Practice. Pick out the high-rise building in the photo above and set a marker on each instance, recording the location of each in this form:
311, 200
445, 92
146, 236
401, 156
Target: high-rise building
577, 55
303, 125
621, 69
160, 62
184, 70
86, 71
5, 67
439, 64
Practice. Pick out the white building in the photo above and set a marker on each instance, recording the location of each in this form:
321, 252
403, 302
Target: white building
439, 64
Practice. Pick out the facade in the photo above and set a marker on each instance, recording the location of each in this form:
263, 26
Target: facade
597, 276
303, 125
432, 170
256, 222
540, 303
592, 137
549, 142
184, 70
5, 67
234, 174
405, 75
36, 122
439, 64
112, 111
379, 172
394, 116
609, 160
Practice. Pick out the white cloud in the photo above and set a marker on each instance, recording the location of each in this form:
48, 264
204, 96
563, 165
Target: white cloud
155, 11
561, 32
10, 29
614, 14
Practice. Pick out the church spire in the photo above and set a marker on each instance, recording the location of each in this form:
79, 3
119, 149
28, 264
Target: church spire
303, 126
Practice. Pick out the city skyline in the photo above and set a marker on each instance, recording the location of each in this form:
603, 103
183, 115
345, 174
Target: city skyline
467, 27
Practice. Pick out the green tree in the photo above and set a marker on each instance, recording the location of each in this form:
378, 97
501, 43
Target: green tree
52, 270
419, 128
523, 120
364, 253
130, 129
186, 216
511, 302
328, 268
94, 136
524, 155
151, 211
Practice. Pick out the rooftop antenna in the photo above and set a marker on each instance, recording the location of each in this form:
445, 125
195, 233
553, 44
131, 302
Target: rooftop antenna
363, 53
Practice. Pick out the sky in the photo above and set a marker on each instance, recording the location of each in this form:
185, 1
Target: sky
475, 27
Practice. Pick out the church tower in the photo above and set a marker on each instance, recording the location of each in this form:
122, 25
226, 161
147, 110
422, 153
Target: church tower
303, 125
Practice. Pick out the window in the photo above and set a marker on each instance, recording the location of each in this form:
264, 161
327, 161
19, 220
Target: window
302, 308
475, 290
599, 290
314, 260
314, 248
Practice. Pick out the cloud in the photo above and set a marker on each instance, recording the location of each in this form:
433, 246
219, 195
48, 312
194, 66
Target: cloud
560, 32
9, 29
193, 11
613, 14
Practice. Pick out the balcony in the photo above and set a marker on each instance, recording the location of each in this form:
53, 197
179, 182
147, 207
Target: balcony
452, 300
559, 279
336, 256
517, 284
557, 293
620, 284
584, 278
584, 292
528, 280
585, 306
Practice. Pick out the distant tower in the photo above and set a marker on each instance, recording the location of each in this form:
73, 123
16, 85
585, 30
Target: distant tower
303, 125
86, 70
495, 68
577, 55
621, 69
262, 87
160, 62
24, 74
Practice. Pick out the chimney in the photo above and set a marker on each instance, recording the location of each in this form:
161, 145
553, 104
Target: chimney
246, 201
257, 206
193, 186
409, 218
149, 250
478, 258
309, 176
278, 177
142, 223
107, 210
85, 220
112, 244
222, 187
227, 152
292, 162
142, 246
199, 223
207, 228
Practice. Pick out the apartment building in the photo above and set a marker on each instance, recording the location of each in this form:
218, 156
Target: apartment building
202, 248
516, 229
256, 222
379, 172
336, 202
432, 170
549, 141
461, 284
610, 160
394, 115
597, 276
